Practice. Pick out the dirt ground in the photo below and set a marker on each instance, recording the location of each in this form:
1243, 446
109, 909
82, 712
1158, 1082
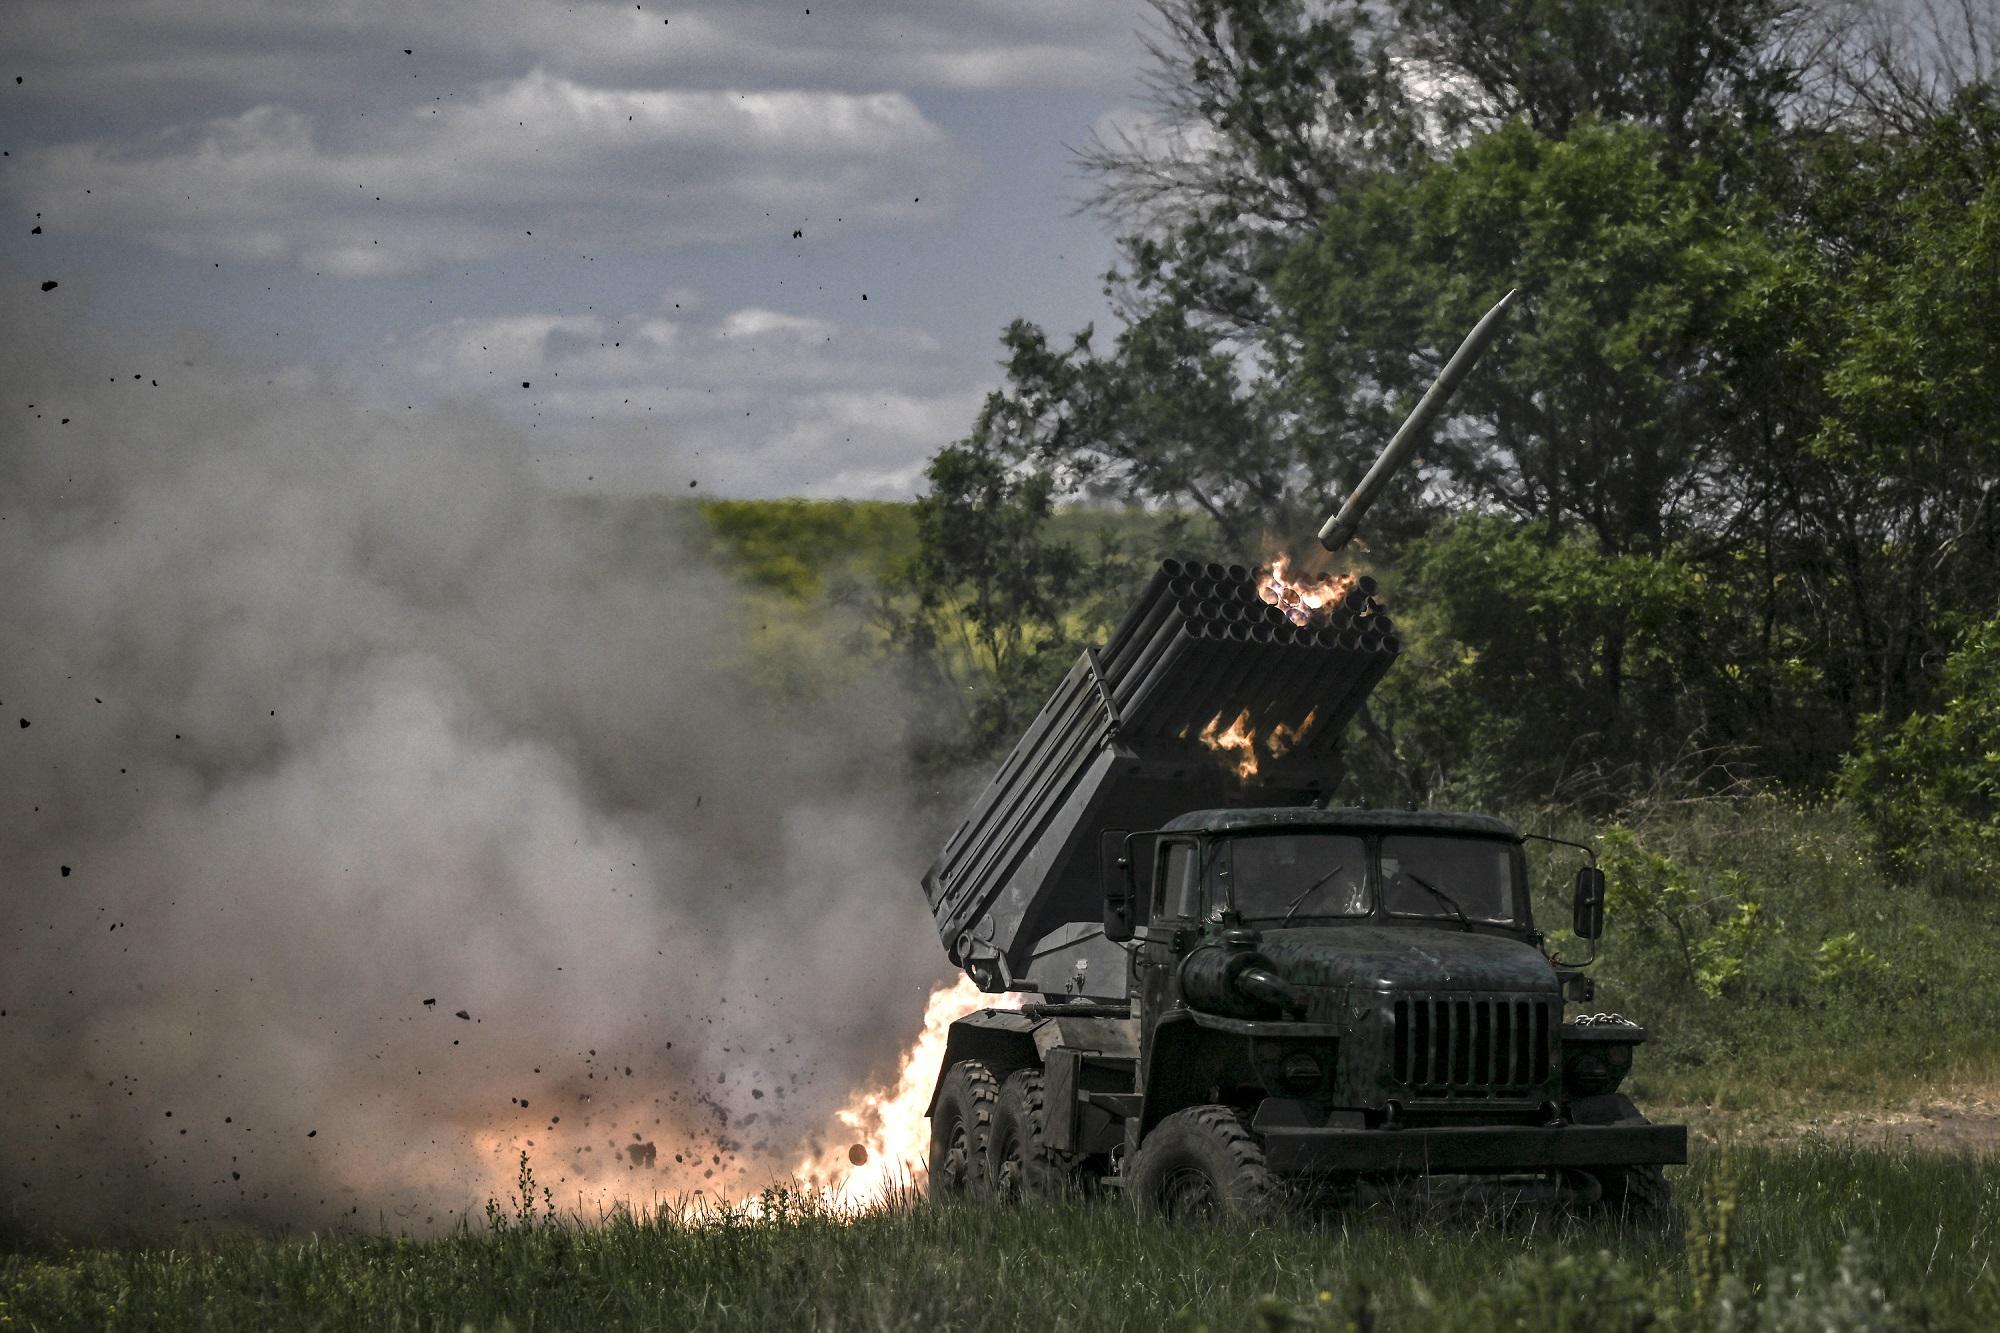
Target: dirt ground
1940, 1120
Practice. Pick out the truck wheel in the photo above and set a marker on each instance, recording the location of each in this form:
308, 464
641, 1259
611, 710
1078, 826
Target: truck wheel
1021, 1164
960, 1125
1638, 1193
1203, 1164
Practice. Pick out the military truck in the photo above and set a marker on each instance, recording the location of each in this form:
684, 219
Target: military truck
1237, 986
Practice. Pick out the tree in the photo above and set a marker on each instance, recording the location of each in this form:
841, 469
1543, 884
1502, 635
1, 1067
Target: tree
1930, 786
1729, 481
1877, 376
1700, 73
985, 612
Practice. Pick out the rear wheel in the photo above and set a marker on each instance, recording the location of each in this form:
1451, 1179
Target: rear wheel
1022, 1165
961, 1123
1203, 1164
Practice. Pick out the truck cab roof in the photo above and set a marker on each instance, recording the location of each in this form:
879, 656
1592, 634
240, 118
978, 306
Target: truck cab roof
1348, 820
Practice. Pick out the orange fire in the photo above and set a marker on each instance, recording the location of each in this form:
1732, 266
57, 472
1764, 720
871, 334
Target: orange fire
1241, 741
1301, 597
888, 1133
1237, 738
879, 1142
1283, 738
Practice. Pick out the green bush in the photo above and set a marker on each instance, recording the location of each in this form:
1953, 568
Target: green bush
1774, 963
1706, 933
1930, 786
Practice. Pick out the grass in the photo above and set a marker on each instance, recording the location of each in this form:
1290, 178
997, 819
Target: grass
1783, 975
1781, 972
1817, 1236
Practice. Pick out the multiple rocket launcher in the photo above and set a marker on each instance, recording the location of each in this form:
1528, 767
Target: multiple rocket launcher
1119, 748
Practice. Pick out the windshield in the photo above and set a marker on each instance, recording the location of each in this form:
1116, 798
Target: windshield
1450, 878
1293, 876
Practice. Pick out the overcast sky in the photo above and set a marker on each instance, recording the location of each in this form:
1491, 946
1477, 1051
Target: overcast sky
766, 247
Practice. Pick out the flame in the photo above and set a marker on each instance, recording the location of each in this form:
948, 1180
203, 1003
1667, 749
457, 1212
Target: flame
1301, 597
888, 1129
1236, 738
1283, 738
1304, 599
879, 1143
1242, 741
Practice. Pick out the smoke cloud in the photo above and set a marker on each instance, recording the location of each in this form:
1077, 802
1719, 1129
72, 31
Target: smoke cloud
370, 814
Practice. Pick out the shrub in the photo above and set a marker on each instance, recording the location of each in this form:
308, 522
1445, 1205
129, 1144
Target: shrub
1929, 787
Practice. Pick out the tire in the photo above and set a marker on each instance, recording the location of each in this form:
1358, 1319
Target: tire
961, 1124
1203, 1164
1640, 1194
1020, 1164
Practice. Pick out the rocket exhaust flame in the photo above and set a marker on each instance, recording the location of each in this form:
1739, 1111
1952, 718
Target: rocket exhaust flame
889, 1125
1236, 739
1317, 608
1304, 600
877, 1145
1242, 743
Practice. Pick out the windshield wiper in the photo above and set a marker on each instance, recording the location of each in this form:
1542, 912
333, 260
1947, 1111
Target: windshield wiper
1441, 896
1292, 907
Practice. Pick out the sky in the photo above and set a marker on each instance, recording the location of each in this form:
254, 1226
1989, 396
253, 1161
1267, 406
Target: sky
758, 248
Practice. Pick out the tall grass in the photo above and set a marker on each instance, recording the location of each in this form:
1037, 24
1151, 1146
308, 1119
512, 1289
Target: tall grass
1777, 968
1818, 1236
1758, 940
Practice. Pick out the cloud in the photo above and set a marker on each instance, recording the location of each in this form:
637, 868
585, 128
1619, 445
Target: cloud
539, 160
754, 402
176, 49
1133, 129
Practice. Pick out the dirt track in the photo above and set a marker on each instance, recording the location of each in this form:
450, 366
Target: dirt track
1949, 1120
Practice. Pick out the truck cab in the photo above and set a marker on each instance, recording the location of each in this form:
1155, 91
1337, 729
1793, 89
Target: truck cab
1308, 993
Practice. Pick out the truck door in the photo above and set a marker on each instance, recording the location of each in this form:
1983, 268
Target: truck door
1174, 926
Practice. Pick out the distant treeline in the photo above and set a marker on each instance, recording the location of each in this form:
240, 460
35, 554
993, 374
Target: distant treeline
1721, 508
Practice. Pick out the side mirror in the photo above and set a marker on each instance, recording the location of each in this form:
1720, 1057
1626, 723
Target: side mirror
1589, 910
1121, 890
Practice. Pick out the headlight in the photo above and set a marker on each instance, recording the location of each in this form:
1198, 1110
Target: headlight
1595, 1068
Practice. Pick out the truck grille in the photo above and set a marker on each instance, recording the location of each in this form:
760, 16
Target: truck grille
1472, 1045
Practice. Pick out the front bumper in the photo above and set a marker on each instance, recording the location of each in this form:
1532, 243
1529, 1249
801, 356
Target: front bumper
1482, 1148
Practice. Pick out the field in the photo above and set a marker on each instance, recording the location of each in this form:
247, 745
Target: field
1827, 1031
1818, 1236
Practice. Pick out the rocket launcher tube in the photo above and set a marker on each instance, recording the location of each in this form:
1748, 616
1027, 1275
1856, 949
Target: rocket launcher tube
1339, 529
